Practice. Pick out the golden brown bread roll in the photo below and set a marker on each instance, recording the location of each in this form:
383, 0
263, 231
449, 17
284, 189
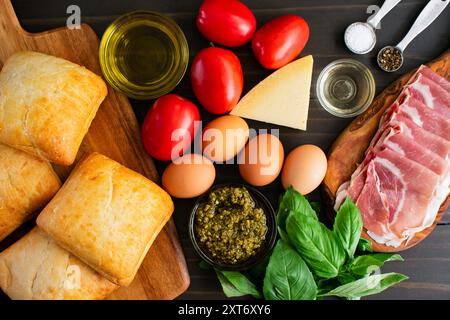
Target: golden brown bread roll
108, 216
47, 105
36, 268
26, 185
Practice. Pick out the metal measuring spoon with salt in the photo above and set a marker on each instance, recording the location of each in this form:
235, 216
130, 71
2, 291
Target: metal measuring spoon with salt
360, 37
390, 59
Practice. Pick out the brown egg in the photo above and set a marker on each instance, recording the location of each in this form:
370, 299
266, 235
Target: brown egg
262, 159
304, 168
224, 137
189, 176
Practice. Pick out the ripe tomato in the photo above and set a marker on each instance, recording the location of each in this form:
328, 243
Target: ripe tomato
217, 79
280, 41
227, 22
168, 128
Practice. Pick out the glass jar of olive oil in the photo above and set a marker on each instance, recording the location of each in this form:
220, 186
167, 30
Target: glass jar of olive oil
144, 54
345, 88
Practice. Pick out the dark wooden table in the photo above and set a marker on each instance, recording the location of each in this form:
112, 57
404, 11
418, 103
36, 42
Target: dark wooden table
428, 264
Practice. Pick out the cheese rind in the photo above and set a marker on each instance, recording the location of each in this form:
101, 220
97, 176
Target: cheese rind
282, 98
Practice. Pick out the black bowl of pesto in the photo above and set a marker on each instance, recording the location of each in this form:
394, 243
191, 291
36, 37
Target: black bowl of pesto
233, 227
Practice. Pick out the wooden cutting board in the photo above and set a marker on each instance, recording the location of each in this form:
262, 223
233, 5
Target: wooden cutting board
349, 148
114, 133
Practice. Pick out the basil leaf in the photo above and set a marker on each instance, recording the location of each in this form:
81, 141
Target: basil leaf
287, 276
316, 244
366, 286
293, 202
364, 245
348, 226
364, 265
235, 284
229, 290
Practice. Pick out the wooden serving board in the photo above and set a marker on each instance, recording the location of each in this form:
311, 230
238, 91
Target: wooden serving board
114, 133
348, 149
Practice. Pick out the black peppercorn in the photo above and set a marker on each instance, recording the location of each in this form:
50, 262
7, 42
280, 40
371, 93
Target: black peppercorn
390, 59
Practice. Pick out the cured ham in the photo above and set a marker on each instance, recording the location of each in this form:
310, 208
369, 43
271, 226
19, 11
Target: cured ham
433, 76
434, 143
431, 94
405, 174
395, 140
426, 118
403, 188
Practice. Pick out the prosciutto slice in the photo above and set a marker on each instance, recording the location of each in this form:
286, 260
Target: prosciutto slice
405, 174
433, 76
396, 195
351, 188
426, 118
434, 143
395, 140
431, 94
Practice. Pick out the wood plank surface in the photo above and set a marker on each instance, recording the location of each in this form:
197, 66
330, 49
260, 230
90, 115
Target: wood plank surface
114, 133
428, 263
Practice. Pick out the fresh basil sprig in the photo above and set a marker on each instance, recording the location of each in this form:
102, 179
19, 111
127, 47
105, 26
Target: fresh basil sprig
311, 261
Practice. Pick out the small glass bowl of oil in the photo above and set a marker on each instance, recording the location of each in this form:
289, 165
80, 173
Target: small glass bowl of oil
345, 88
144, 54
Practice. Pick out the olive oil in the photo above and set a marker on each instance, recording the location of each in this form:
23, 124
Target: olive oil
144, 55
345, 88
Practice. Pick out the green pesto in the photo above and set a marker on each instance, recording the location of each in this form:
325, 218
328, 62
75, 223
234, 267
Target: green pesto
229, 226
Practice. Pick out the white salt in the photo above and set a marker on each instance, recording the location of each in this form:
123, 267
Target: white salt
360, 38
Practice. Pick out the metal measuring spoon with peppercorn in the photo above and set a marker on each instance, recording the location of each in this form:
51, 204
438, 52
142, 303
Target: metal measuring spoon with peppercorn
390, 59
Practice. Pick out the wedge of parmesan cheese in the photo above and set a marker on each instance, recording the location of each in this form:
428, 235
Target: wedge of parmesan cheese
282, 98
